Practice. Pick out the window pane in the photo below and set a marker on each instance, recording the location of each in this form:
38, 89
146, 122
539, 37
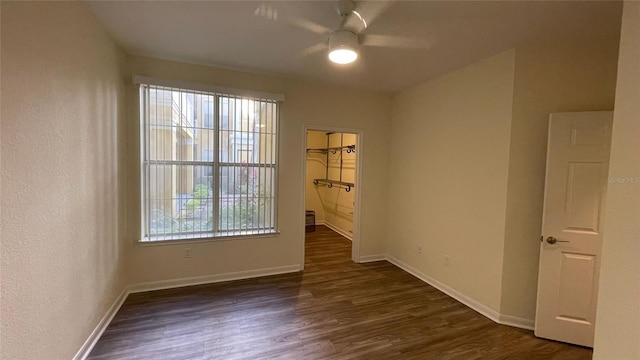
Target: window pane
249, 136
207, 113
180, 199
246, 198
180, 124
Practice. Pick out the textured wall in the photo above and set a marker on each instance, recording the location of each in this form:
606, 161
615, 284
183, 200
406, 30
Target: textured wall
449, 145
618, 318
61, 101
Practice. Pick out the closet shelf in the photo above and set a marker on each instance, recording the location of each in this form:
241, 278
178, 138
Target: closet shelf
349, 149
331, 183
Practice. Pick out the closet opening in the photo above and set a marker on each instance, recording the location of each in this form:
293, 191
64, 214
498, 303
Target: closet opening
331, 191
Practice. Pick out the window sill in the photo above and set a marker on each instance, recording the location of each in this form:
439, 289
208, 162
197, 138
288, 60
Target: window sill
222, 237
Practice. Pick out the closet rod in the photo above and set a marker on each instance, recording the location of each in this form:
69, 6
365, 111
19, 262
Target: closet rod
349, 149
331, 183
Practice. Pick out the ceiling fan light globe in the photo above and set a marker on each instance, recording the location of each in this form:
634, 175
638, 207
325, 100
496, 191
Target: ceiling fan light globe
343, 55
343, 47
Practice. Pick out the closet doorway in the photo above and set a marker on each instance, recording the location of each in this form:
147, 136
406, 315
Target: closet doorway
332, 184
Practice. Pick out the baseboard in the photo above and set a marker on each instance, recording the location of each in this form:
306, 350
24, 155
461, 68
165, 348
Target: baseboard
208, 279
466, 300
372, 258
91, 341
470, 302
518, 322
340, 231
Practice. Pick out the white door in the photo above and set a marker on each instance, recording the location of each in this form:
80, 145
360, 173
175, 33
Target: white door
575, 189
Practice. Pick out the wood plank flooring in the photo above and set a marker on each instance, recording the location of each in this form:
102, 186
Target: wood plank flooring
335, 309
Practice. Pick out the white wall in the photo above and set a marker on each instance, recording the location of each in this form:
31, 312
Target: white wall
449, 151
618, 317
305, 104
550, 76
62, 262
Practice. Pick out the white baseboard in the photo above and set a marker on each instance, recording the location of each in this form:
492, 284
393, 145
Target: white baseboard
91, 341
208, 279
340, 231
470, 302
372, 258
517, 322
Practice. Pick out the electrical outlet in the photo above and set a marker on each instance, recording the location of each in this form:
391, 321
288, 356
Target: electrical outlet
187, 253
419, 248
447, 260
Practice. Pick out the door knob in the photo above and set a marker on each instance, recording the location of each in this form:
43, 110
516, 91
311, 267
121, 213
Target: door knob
551, 240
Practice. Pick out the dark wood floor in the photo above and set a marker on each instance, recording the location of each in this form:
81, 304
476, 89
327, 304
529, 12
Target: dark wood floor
336, 309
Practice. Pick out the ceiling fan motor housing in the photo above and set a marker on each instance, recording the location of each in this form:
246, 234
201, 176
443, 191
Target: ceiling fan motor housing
343, 39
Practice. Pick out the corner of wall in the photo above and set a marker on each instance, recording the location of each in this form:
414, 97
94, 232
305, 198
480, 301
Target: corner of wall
550, 76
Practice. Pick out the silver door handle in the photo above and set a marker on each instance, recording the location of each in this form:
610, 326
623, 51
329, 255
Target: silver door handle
551, 240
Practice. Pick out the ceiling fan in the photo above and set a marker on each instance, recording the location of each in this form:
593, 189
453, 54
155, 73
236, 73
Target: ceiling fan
343, 43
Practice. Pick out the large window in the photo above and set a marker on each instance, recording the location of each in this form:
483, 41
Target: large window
209, 164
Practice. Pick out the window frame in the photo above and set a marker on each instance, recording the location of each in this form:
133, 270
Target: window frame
216, 234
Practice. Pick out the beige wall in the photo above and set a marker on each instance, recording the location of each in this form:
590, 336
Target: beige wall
305, 104
449, 151
62, 263
618, 317
337, 202
550, 76
316, 169
452, 217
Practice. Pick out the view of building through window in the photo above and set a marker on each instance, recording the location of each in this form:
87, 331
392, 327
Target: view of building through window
209, 164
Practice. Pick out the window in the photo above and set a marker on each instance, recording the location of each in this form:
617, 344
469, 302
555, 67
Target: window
208, 173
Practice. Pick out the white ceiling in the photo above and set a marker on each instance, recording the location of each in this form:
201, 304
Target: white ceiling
229, 34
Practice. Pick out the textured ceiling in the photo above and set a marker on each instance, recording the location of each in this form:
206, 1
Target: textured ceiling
229, 34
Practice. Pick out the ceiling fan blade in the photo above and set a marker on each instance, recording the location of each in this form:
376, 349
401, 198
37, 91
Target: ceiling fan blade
266, 11
282, 14
309, 25
312, 49
395, 41
366, 13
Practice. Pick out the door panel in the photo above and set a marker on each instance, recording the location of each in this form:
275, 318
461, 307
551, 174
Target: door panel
584, 188
576, 287
575, 189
